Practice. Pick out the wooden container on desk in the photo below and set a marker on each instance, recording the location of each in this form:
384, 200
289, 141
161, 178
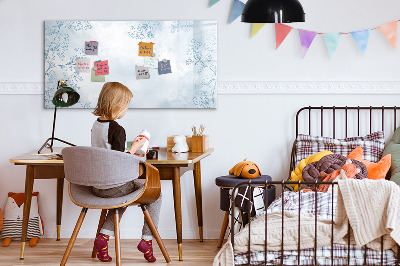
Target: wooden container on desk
200, 143
171, 143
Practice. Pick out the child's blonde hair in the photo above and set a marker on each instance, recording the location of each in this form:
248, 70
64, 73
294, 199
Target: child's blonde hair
113, 98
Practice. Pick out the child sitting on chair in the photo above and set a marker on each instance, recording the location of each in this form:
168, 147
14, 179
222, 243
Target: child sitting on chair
112, 104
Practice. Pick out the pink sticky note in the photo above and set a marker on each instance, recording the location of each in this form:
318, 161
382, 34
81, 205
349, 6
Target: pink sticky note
102, 68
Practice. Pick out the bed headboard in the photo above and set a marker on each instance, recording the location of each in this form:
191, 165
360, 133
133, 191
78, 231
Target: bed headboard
344, 121
347, 116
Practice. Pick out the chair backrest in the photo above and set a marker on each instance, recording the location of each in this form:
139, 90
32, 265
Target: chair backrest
92, 166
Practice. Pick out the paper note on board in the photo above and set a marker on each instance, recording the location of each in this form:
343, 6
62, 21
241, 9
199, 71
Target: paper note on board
95, 78
164, 67
151, 62
91, 48
101, 67
82, 64
142, 72
146, 48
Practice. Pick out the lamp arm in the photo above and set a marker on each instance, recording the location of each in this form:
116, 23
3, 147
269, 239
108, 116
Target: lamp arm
54, 126
73, 97
51, 140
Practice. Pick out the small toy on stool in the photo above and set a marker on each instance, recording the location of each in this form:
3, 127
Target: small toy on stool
245, 169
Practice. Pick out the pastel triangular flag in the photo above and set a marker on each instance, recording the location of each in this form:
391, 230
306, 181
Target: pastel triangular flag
332, 41
389, 30
237, 9
306, 39
256, 28
281, 31
213, 2
361, 37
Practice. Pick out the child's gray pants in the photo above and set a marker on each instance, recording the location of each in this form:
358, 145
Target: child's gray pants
154, 208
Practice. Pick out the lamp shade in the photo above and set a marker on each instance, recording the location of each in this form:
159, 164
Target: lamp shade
273, 11
65, 96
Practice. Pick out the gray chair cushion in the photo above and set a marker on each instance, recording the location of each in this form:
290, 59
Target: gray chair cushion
99, 167
84, 196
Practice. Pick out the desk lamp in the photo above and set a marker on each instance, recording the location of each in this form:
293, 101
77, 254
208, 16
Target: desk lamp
273, 11
64, 97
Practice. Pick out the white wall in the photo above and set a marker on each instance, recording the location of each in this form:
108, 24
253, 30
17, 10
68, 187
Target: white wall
257, 127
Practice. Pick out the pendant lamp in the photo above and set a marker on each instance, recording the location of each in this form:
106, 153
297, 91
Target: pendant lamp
63, 97
272, 11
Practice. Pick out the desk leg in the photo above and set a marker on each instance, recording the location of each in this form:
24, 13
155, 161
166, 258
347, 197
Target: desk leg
199, 204
27, 206
60, 190
176, 183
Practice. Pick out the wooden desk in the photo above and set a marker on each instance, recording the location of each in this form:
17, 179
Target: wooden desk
40, 167
171, 167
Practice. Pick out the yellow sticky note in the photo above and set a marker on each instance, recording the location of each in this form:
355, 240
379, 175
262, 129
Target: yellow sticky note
146, 48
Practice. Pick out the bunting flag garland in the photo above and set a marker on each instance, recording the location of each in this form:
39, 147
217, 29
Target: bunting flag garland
281, 31
237, 9
332, 41
389, 30
213, 2
361, 37
256, 28
306, 39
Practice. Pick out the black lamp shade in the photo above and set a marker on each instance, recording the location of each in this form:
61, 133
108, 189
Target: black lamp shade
62, 101
273, 11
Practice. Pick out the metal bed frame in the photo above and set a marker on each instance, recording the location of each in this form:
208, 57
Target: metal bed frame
283, 184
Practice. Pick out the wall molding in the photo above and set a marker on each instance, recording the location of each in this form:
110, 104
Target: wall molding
22, 88
309, 87
259, 87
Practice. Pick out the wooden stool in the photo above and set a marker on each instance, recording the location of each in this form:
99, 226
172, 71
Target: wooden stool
226, 183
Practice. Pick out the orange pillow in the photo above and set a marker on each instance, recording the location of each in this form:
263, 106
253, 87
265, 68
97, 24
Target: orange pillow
375, 170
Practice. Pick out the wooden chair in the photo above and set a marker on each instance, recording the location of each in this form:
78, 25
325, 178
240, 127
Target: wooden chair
85, 167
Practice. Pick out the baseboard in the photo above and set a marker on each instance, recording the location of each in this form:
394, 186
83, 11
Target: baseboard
259, 87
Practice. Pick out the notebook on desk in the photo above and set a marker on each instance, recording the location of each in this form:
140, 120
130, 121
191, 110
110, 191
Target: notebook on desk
52, 155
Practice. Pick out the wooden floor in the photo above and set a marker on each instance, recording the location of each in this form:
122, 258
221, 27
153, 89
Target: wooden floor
50, 252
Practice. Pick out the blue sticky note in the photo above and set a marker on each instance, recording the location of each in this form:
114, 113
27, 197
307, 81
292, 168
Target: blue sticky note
164, 67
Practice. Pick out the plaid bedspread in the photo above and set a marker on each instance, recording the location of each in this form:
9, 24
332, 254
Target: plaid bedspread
321, 205
307, 202
324, 257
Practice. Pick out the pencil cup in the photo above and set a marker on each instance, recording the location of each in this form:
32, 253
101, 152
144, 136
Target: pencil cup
200, 143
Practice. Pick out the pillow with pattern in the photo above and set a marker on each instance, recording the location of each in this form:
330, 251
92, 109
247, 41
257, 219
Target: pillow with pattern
372, 145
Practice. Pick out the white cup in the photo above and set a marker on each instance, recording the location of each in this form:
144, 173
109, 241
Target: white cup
144, 134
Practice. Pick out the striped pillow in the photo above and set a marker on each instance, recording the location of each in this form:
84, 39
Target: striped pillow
372, 145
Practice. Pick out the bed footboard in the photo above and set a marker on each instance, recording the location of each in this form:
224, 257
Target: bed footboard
379, 257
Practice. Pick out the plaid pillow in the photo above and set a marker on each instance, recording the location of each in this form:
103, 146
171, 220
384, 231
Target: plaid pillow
372, 145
